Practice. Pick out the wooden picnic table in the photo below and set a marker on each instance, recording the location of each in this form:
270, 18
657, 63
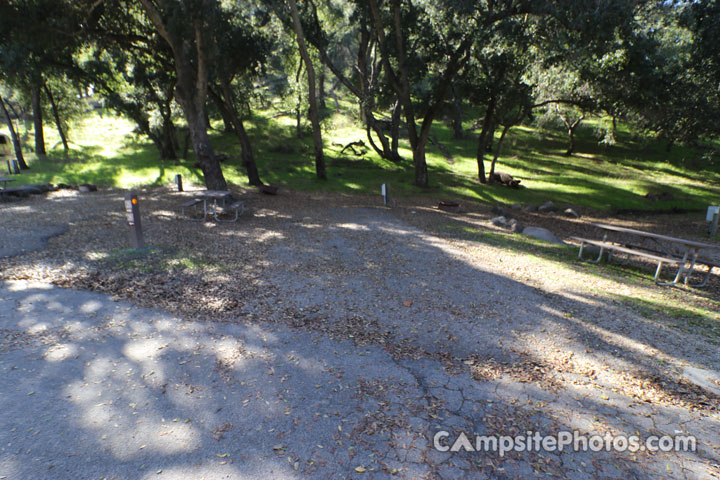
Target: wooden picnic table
685, 251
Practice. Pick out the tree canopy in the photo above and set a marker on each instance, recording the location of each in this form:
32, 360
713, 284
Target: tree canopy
168, 64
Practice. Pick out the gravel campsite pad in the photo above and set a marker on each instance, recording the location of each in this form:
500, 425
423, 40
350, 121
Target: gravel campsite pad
323, 336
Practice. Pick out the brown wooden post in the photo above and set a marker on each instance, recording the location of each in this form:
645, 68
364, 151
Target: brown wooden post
132, 211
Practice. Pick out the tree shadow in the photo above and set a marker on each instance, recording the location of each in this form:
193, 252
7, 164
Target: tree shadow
352, 296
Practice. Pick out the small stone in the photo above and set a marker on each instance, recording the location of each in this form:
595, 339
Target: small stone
516, 206
500, 221
546, 207
498, 210
515, 226
531, 208
87, 187
570, 212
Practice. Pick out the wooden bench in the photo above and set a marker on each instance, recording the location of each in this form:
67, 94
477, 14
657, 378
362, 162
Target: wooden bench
192, 203
238, 207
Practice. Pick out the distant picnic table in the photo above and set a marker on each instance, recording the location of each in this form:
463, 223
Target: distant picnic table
214, 196
664, 249
5, 180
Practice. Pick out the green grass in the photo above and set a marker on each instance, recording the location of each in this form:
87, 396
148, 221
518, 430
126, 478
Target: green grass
158, 259
106, 152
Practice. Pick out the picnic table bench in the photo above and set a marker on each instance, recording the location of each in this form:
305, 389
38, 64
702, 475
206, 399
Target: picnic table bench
689, 253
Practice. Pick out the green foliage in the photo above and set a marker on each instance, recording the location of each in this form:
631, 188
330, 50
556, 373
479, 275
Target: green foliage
605, 178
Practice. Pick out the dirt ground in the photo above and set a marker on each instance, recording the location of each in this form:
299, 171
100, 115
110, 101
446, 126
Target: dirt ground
601, 347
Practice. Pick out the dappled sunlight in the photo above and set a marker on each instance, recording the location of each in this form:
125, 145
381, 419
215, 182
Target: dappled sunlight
212, 469
343, 293
60, 352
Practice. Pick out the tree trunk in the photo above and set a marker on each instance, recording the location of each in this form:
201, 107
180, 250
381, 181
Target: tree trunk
225, 104
314, 115
14, 135
401, 85
457, 118
486, 133
56, 114
421, 171
571, 142
298, 104
228, 126
321, 88
191, 90
192, 97
212, 172
395, 131
498, 149
372, 125
38, 121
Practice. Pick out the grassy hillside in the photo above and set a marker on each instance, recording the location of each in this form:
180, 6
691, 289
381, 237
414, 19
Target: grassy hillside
105, 151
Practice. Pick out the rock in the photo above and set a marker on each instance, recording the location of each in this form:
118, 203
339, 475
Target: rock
546, 207
505, 179
498, 210
542, 234
515, 226
269, 189
41, 187
500, 221
662, 196
87, 187
516, 206
531, 208
449, 206
570, 212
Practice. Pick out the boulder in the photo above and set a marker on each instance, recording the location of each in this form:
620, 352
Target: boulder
516, 206
531, 208
542, 234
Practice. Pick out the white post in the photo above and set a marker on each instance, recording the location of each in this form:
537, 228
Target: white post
712, 217
385, 191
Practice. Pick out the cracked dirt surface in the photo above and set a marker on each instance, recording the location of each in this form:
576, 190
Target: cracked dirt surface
369, 336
